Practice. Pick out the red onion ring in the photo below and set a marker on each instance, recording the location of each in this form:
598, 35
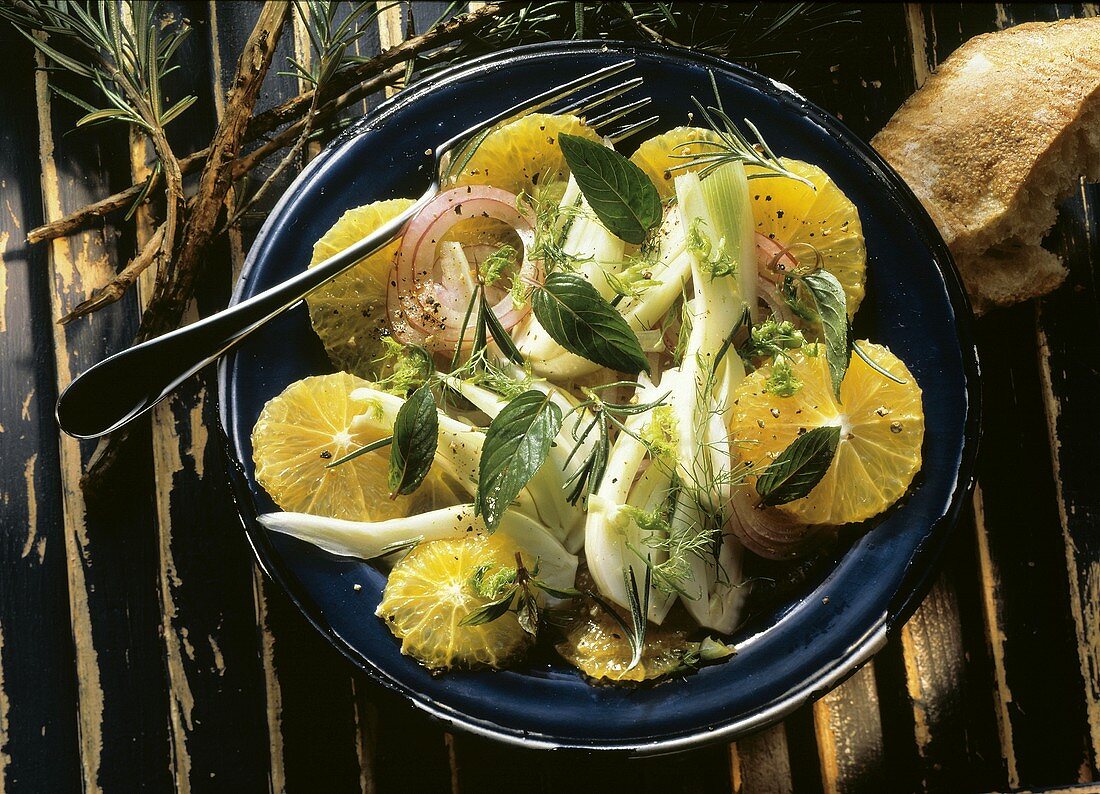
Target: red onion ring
768, 292
773, 261
768, 532
422, 309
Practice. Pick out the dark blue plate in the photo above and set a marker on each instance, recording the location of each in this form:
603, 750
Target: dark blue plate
797, 651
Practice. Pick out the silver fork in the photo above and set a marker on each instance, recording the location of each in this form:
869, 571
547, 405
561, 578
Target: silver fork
126, 385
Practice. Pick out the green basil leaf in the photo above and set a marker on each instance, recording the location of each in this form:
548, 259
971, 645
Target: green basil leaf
516, 445
415, 438
491, 611
619, 192
527, 613
832, 309
579, 319
799, 467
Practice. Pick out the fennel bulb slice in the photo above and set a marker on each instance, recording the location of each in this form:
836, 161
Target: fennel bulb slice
369, 540
593, 252
613, 540
716, 217
547, 489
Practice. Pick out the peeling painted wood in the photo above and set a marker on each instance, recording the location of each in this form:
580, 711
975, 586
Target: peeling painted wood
1031, 634
391, 31
760, 764
849, 736
1044, 727
1069, 374
935, 675
38, 725
313, 728
484, 766
994, 625
215, 690
250, 694
109, 547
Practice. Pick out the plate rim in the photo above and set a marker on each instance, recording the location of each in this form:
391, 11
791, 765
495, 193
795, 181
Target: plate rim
917, 578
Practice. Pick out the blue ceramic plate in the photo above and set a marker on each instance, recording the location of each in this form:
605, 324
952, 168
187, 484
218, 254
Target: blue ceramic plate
790, 654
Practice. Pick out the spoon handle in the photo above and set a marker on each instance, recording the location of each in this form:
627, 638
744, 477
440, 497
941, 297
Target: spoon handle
126, 385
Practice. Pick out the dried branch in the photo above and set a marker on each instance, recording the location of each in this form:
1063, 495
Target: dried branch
350, 85
116, 288
172, 294
176, 279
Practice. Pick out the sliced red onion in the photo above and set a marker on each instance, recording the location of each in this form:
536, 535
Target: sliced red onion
769, 532
768, 292
426, 308
773, 261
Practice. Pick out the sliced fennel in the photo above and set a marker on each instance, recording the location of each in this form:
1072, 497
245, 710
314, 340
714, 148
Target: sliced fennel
458, 451
595, 251
372, 539
730, 225
715, 215
613, 539
670, 275
547, 488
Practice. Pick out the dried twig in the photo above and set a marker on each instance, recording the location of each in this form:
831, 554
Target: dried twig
349, 86
172, 294
176, 281
116, 288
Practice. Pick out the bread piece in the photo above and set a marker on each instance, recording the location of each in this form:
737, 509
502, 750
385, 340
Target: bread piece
994, 140
1009, 273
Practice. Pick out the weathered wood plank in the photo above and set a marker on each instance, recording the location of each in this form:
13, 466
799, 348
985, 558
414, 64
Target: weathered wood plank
214, 675
849, 736
925, 705
484, 766
935, 678
1031, 634
313, 713
391, 30
1070, 370
1040, 708
39, 749
110, 545
760, 764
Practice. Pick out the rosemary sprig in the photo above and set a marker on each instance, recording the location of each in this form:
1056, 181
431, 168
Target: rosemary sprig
363, 450
586, 478
125, 62
122, 55
635, 631
732, 145
331, 42
348, 86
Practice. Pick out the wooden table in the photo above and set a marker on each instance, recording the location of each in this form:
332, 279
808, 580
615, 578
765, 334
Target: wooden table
141, 649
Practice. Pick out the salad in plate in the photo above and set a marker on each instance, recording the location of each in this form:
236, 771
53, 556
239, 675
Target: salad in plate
580, 388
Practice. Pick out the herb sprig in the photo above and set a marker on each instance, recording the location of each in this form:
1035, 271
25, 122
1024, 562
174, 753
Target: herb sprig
511, 590
635, 630
732, 145
579, 319
587, 477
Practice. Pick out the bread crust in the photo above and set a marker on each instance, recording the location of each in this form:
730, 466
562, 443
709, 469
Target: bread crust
997, 136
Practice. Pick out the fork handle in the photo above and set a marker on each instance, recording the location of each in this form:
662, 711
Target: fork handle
124, 386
